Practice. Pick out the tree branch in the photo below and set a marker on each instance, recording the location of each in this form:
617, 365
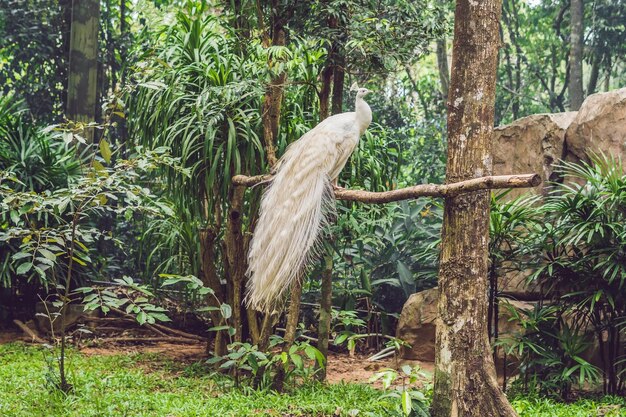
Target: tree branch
422, 190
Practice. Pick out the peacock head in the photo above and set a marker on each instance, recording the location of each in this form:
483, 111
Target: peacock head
360, 92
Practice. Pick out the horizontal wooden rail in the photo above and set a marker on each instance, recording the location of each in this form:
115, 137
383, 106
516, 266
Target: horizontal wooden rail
422, 190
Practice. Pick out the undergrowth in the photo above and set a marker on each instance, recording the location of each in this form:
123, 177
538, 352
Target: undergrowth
148, 385
143, 385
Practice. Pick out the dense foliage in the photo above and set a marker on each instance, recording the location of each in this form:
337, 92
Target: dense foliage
190, 94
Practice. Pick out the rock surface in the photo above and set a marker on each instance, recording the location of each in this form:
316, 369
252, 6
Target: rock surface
416, 325
599, 126
532, 144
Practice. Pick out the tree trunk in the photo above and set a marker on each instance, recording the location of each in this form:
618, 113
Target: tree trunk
323, 329
235, 256
576, 94
442, 66
592, 85
83, 63
607, 73
273, 95
123, 53
465, 375
324, 94
338, 80
210, 278
420, 96
293, 317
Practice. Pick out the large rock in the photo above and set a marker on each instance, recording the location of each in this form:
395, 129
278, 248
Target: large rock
416, 325
532, 144
599, 126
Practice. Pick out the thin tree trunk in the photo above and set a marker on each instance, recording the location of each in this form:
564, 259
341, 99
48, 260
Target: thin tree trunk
273, 98
324, 94
327, 75
323, 329
276, 35
210, 278
83, 63
253, 325
442, 66
123, 27
266, 331
235, 256
293, 317
465, 375
338, 80
592, 85
607, 73
576, 94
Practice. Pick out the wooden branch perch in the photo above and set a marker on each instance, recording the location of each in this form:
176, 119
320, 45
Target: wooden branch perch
422, 190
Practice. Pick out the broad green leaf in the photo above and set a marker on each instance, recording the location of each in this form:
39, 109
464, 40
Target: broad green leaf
105, 150
407, 404
23, 268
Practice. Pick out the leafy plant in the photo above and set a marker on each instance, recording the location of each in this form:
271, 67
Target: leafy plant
549, 351
578, 252
54, 251
401, 386
134, 299
296, 362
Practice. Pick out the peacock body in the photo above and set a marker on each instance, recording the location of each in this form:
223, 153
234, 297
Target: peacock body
297, 203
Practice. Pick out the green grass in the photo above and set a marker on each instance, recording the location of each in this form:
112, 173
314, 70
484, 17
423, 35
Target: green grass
541, 407
145, 385
148, 385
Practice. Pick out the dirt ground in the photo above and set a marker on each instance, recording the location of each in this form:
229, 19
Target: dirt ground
341, 367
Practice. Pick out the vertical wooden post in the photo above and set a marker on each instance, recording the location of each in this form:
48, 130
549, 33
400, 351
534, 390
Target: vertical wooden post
465, 375
83, 63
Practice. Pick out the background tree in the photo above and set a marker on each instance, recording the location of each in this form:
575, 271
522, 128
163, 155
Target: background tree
83, 63
465, 376
576, 94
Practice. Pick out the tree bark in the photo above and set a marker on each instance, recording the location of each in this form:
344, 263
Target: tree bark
465, 375
420, 96
442, 66
416, 191
294, 313
338, 80
83, 63
235, 256
607, 73
210, 278
576, 94
323, 329
592, 85
293, 317
324, 94
272, 101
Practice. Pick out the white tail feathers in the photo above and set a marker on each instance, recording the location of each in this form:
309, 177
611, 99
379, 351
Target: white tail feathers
293, 211
295, 206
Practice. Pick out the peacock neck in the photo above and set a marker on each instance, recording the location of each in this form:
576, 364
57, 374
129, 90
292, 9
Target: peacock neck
363, 114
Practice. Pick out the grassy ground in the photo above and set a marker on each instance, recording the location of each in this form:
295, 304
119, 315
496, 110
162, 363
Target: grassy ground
147, 385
